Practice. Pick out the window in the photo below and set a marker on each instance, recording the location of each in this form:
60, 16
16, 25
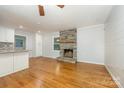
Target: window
20, 42
56, 43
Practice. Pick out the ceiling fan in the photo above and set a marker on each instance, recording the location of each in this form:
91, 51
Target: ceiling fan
41, 9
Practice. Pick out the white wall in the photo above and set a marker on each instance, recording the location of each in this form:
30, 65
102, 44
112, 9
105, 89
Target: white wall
30, 40
48, 42
90, 44
38, 44
114, 31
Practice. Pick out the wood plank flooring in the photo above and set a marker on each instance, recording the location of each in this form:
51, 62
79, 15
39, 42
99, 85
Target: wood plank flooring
48, 73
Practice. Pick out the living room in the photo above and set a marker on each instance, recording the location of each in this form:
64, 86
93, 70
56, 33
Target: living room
61, 46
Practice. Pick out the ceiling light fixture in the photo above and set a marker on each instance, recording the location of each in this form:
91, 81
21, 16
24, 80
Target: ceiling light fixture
21, 27
39, 31
38, 23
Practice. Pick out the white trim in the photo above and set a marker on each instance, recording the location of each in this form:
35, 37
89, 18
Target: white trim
113, 77
90, 62
101, 26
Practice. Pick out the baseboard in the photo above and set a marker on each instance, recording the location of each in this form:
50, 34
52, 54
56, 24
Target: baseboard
91, 62
113, 77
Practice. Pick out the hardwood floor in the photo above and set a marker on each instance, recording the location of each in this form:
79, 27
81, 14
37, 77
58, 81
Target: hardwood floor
48, 73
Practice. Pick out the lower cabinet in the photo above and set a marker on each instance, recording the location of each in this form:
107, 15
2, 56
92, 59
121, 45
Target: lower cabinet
21, 61
6, 64
13, 62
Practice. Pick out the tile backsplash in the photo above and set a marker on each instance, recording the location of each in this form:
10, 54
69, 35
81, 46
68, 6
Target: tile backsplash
6, 45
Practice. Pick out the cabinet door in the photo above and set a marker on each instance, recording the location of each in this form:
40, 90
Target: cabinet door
9, 35
2, 34
21, 61
6, 64
6, 35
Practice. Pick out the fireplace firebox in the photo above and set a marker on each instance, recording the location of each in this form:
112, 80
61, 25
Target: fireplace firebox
68, 53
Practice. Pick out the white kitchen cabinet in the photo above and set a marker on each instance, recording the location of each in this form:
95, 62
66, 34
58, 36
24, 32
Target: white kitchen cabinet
6, 64
21, 61
13, 62
2, 34
6, 34
9, 35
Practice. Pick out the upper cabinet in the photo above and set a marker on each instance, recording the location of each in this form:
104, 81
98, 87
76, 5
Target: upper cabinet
10, 35
6, 34
2, 34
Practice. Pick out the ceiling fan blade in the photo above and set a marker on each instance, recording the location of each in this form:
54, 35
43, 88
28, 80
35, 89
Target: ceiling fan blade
61, 6
41, 10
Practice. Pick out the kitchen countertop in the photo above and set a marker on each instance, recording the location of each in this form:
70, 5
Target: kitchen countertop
13, 51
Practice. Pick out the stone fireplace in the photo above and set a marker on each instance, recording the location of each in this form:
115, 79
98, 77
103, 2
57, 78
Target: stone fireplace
68, 46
